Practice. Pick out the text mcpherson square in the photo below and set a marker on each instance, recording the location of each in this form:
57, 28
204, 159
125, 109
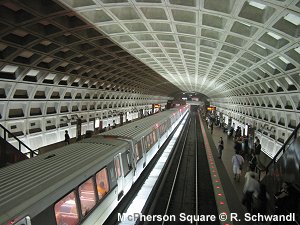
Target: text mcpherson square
183, 217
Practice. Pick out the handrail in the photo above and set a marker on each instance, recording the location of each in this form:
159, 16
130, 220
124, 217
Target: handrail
283, 147
32, 152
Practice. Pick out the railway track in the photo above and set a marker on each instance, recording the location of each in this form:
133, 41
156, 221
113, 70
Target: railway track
185, 194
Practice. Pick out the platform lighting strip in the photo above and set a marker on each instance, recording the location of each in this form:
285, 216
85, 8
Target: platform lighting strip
139, 201
220, 198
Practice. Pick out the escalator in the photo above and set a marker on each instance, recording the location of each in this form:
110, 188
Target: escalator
9, 154
285, 167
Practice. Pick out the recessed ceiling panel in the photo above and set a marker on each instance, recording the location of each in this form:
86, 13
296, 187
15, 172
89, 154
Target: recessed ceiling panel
203, 46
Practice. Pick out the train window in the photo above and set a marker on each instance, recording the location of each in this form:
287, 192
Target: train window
138, 151
112, 175
118, 167
162, 129
129, 160
154, 136
126, 162
66, 210
151, 139
102, 183
148, 142
87, 196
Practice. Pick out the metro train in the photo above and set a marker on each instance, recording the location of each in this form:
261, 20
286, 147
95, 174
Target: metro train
82, 183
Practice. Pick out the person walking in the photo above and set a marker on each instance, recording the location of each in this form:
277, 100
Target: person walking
237, 162
251, 186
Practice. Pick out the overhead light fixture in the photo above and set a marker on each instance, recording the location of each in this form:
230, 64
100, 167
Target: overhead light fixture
257, 5
261, 46
292, 19
277, 37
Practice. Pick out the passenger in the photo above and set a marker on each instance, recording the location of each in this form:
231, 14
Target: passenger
60, 219
220, 147
101, 189
211, 127
282, 199
251, 186
108, 127
250, 172
286, 201
237, 163
67, 137
260, 200
246, 144
252, 161
257, 149
114, 124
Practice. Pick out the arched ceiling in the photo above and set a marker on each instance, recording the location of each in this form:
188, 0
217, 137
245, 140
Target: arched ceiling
45, 43
61, 58
216, 47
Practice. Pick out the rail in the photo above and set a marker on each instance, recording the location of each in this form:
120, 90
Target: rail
20, 143
285, 146
176, 176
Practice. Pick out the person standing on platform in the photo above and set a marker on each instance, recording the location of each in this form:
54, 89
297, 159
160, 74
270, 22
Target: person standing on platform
237, 163
257, 149
220, 147
108, 127
67, 137
252, 161
211, 127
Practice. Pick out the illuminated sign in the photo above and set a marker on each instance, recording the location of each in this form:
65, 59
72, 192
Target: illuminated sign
156, 105
211, 108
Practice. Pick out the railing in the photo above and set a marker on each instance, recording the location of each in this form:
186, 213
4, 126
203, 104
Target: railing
285, 146
32, 153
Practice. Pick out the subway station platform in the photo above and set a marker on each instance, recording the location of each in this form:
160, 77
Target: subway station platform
233, 189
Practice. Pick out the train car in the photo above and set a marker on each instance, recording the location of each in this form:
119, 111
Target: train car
83, 182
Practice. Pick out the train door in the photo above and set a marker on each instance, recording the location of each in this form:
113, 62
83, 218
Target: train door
119, 174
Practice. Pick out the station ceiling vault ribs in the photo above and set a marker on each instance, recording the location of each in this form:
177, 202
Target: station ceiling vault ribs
62, 59
46, 42
221, 48
216, 47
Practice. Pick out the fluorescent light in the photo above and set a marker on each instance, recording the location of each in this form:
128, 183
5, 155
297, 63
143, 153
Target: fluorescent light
271, 65
50, 76
9, 69
33, 73
257, 5
297, 50
65, 78
245, 24
261, 46
276, 82
288, 81
277, 37
284, 60
292, 19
